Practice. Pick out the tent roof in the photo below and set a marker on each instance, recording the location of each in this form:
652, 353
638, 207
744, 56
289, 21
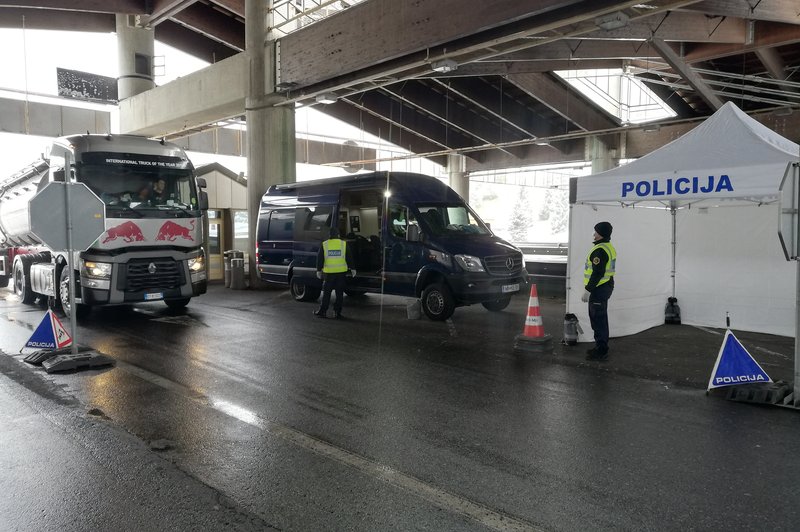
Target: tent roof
730, 156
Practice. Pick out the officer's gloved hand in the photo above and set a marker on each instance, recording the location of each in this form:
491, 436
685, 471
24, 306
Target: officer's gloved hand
319, 274
585, 297
352, 273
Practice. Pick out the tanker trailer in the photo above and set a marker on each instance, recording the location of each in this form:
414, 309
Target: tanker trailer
152, 247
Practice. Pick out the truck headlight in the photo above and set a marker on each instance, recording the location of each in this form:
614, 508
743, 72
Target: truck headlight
197, 264
469, 263
96, 270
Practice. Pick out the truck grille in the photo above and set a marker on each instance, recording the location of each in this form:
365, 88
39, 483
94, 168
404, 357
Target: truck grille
501, 265
166, 273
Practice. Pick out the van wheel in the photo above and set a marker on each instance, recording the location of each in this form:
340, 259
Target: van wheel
22, 280
437, 302
497, 304
302, 292
81, 310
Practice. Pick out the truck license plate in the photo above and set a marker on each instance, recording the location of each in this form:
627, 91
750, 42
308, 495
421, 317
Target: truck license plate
510, 288
156, 295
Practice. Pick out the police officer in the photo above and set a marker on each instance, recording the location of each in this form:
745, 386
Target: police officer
598, 281
332, 266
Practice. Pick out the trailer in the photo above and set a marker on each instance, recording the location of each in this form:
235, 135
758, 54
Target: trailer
152, 248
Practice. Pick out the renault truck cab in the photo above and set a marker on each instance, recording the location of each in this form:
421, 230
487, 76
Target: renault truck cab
408, 234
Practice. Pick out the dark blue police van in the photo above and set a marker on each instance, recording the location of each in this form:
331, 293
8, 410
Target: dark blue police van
408, 234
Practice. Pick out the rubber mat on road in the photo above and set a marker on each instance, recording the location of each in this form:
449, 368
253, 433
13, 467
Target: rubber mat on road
38, 357
74, 362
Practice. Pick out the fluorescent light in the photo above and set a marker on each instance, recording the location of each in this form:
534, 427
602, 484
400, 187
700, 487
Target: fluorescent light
542, 142
651, 127
327, 98
445, 65
612, 21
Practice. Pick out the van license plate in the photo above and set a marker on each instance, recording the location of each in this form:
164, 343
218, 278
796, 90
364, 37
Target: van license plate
158, 295
510, 288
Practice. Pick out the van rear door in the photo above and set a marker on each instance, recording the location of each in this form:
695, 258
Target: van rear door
275, 242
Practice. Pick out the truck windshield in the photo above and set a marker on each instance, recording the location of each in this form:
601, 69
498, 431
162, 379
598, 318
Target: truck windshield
451, 220
149, 191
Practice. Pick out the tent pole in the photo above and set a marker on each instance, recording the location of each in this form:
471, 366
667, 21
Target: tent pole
796, 395
673, 211
569, 255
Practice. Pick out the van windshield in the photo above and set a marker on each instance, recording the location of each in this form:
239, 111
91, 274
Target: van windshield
451, 219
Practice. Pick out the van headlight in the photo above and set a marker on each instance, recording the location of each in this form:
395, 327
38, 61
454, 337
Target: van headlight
469, 263
197, 264
96, 270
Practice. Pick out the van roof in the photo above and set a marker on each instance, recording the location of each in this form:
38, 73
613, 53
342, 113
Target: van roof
423, 187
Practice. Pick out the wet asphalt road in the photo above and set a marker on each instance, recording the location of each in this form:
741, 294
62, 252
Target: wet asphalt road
383, 423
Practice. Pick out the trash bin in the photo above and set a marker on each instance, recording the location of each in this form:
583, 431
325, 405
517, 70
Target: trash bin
237, 273
226, 260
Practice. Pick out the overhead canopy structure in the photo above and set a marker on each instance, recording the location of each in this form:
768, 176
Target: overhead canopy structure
698, 220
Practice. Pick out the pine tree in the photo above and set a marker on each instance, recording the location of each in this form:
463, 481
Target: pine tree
558, 205
521, 217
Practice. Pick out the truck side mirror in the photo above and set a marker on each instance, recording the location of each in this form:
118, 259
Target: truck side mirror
203, 200
201, 182
413, 234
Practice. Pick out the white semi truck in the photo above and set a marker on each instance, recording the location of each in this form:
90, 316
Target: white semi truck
152, 248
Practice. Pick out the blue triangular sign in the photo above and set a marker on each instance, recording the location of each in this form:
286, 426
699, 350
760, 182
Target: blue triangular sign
43, 337
735, 365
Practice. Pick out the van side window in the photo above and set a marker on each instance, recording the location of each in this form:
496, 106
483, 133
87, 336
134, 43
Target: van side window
314, 222
281, 225
400, 217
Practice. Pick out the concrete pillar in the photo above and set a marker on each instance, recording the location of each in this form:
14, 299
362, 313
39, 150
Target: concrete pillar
135, 46
270, 129
457, 173
599, 154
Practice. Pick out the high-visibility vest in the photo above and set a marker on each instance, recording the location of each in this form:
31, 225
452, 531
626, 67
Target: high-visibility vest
335, 258
611, 265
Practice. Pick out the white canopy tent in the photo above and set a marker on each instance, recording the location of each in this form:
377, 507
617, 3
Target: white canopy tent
697, 219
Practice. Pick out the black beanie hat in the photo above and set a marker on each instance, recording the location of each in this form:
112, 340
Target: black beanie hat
334, 232
604, 229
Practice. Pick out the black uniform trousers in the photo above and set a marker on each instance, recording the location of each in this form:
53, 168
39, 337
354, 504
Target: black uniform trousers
598, 315
331, 282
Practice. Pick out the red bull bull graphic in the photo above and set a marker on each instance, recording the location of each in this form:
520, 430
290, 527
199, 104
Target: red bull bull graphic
127, 231
171, 231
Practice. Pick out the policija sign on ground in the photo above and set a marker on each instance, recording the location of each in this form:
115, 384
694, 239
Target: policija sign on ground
735, 365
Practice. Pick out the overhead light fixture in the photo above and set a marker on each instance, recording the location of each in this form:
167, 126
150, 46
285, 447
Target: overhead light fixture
444, 65
327, 98
651, 127
542, 142
783, 111
612, 21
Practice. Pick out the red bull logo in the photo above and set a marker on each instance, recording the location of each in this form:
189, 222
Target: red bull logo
170, 231
127, 231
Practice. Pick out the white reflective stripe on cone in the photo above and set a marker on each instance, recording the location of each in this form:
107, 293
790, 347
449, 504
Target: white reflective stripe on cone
533, 320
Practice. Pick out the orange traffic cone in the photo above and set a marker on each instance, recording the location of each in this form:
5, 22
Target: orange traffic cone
533, 337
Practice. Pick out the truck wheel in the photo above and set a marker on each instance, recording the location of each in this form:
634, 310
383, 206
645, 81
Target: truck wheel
437, 302
497, 305
81, 310
22, 280
302, 292
177, 303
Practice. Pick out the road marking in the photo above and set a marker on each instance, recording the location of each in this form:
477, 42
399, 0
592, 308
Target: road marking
773, 353
437, 496
706, 330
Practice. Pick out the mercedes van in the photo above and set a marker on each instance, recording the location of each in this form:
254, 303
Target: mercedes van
408, 234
